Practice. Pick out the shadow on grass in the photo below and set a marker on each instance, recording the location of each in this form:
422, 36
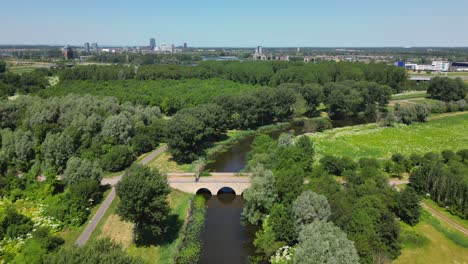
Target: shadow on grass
146, 237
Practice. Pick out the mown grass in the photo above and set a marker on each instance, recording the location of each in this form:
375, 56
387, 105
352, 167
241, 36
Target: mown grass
113, 227
165, 164
371, 140
424, 243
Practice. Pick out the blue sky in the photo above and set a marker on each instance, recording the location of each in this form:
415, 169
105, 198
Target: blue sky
240, 23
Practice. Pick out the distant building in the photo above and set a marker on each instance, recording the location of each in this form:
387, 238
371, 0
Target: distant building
152, 43
410, 66
459, 66
86, 47
94, 47
441, 66
185, 45
167, 48
258, 54
67, 52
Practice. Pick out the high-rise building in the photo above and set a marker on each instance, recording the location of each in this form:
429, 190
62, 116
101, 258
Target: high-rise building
152, 43
86, 47
185, 45
94, 47
67, 52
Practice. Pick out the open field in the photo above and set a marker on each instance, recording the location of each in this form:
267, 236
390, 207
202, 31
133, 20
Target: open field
113, 227
371, 140
165, 164
431, 242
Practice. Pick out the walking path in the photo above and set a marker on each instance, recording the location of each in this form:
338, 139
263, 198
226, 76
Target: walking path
434, 212
110, 197
444, 218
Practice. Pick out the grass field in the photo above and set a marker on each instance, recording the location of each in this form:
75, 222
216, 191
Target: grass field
427, 242
371, 140
165, 164
113, 227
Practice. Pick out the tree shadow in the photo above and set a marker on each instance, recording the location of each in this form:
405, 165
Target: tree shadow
145, 237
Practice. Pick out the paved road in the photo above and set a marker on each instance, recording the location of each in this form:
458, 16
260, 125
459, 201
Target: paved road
110, 197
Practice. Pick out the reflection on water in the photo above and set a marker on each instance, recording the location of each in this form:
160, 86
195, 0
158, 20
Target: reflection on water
225, 239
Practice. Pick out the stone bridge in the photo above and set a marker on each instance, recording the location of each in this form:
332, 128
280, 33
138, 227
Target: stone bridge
213, 184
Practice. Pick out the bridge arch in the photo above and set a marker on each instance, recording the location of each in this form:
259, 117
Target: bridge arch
226, 189
204, 191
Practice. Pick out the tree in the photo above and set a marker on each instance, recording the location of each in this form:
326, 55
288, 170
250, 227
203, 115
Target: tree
117, 158
261, 195
56, 149
282, 224
309, 207
323, 242
119, 128
99, 251
143, 199
447, 89
2, 67
81, 169
307, 152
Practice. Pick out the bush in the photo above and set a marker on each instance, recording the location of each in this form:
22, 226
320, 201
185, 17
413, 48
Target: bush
191, 245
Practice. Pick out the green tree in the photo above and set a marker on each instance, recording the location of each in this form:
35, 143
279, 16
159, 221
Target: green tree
143, 199
447, 89
56, 149
81, 169
321, 242
261, 195
282, 224
309, 207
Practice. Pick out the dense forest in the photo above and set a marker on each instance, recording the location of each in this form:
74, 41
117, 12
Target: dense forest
271, 73
169, 95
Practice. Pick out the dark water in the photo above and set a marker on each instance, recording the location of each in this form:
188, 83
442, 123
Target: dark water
225, 239
235, 158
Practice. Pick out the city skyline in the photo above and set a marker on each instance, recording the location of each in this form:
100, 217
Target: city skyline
208, 23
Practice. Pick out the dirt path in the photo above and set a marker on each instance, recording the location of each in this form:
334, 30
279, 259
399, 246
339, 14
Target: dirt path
434, 212
447, 114
445, 219
85, 235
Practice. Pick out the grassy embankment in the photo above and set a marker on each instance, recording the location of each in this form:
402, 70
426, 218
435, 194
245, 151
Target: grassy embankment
431, 241
113, 227
371, 140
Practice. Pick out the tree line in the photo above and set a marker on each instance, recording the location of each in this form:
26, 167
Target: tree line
272, 73
12, 83
192, 130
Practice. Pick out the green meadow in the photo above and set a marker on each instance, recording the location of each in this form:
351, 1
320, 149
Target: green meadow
372, 140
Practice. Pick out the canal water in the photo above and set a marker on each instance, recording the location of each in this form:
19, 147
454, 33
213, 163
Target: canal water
225, 239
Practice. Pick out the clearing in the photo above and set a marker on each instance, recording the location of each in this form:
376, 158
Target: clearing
371, 140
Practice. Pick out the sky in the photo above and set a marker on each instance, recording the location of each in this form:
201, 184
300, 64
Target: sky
239, 23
